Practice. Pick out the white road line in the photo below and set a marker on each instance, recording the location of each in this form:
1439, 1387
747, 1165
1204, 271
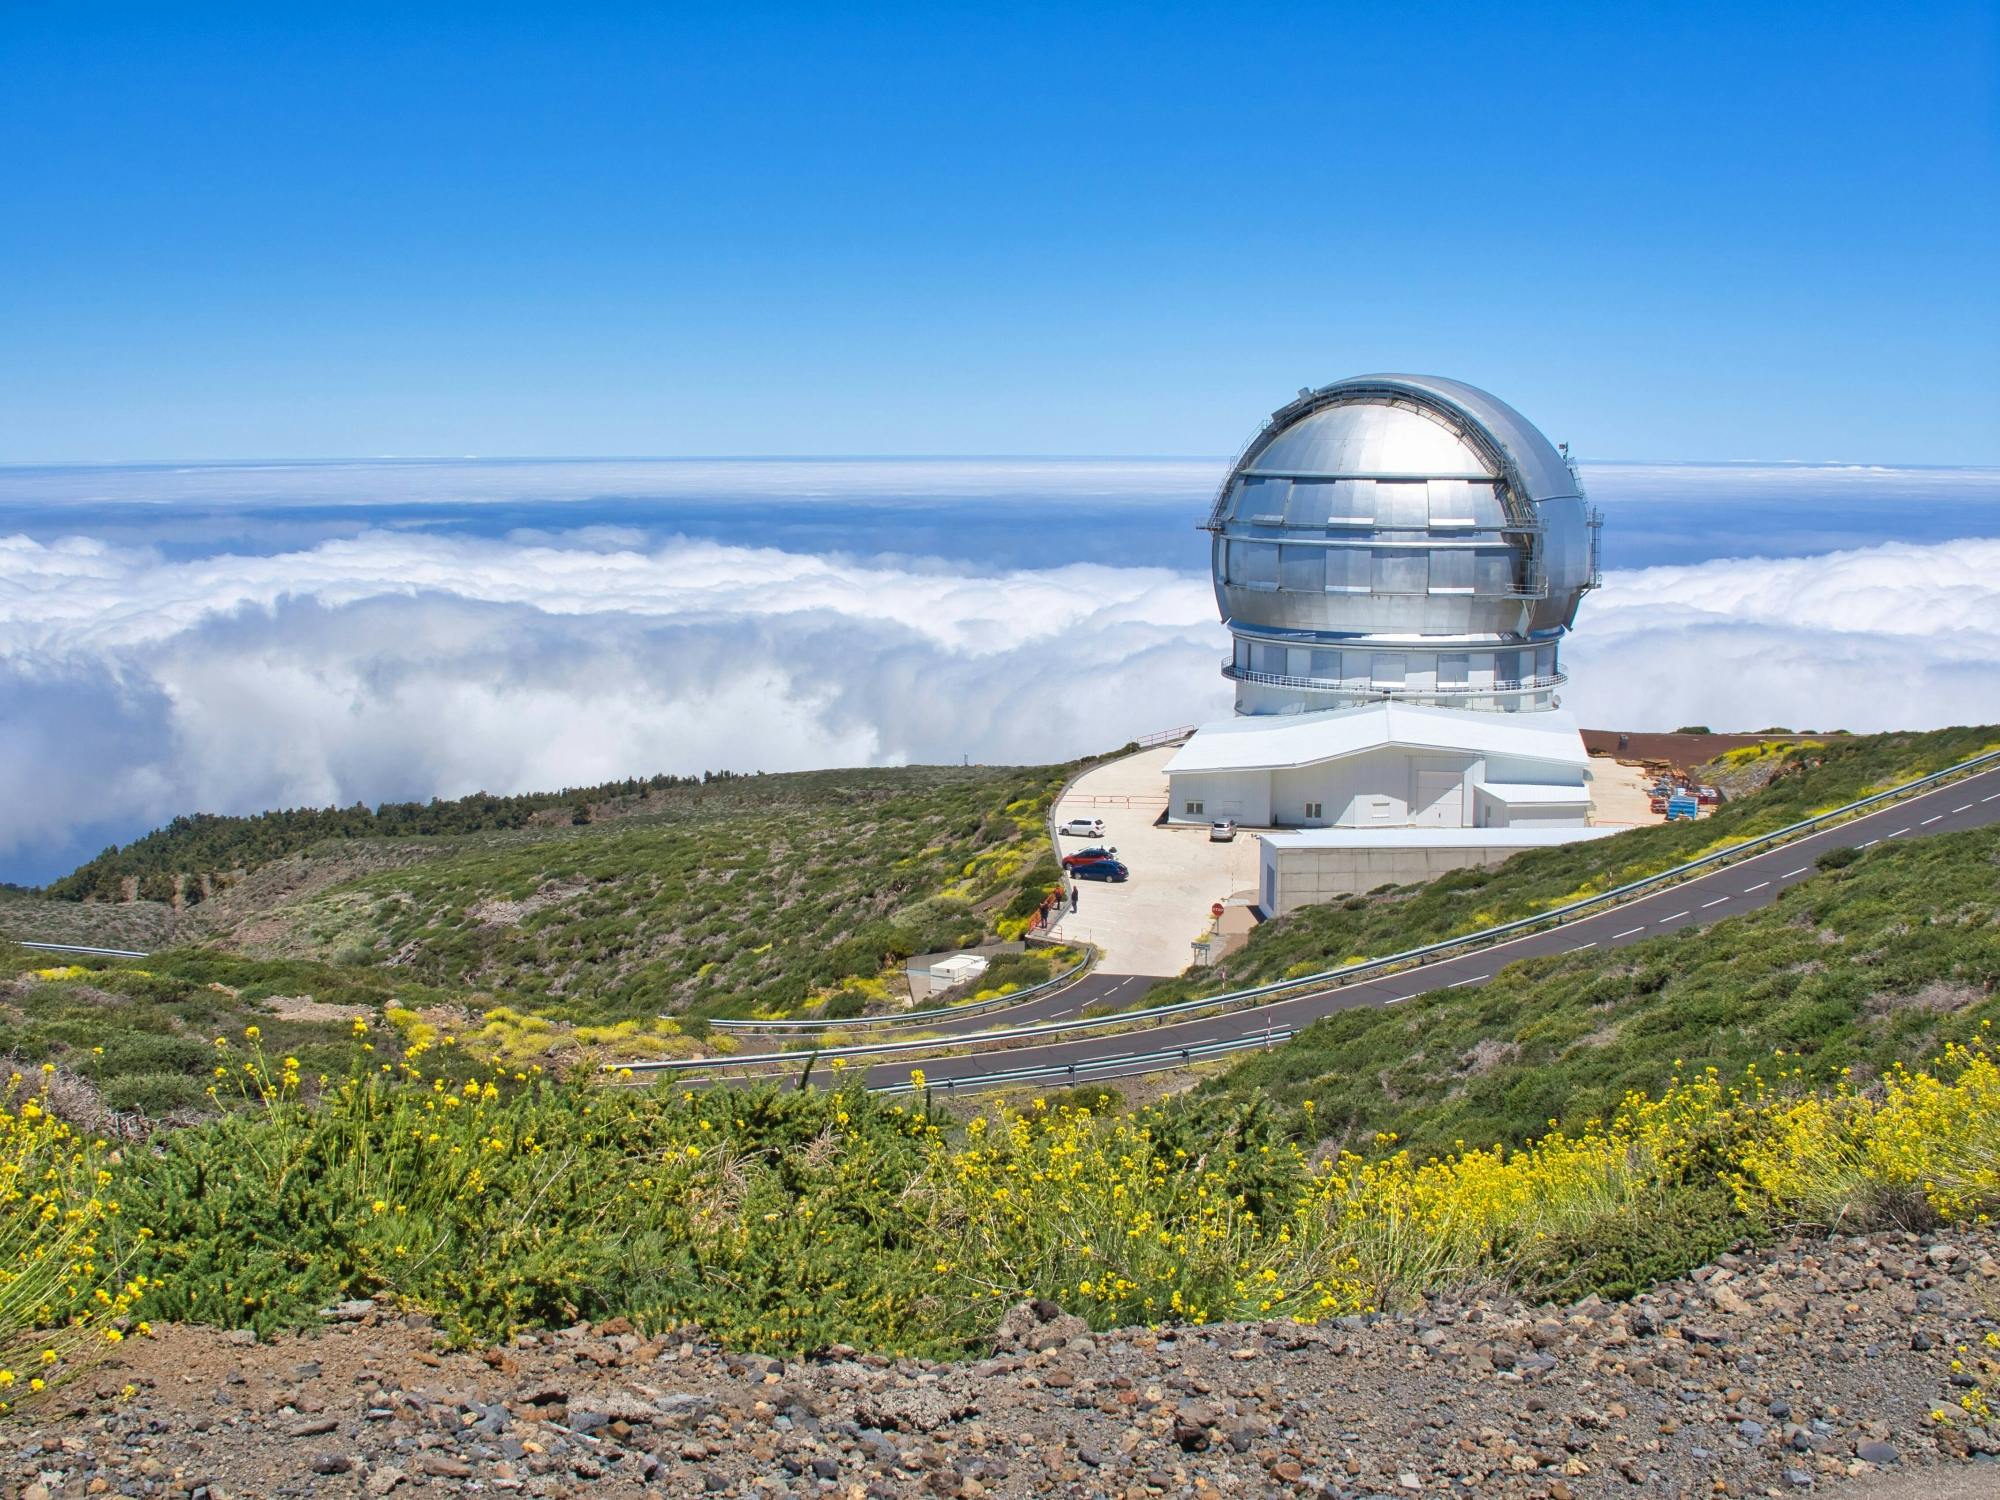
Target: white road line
1897, 834
1966, 808
1627, 932
1757, 887
1674, 918
1928, 821
1799, 871
1716, 902
1869, 845
1994, 798
1457, 982
1581, 946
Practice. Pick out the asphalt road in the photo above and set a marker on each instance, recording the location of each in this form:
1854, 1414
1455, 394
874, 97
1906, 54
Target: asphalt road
1067, 1004
1749, 883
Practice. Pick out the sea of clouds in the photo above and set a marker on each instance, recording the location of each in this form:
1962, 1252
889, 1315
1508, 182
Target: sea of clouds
144, 675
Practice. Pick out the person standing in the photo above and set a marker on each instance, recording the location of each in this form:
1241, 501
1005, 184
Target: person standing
1072, 897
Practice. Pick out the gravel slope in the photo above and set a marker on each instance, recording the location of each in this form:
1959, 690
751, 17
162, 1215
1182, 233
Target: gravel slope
1813, 1365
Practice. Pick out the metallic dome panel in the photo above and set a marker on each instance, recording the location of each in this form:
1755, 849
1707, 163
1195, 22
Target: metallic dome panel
1420, 525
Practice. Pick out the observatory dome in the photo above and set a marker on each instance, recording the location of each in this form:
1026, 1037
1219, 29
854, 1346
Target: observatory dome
1399, 537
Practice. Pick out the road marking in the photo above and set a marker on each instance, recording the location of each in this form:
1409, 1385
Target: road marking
1716, 902
1473, 980
1674, 918
1994, 798
1799, 871
1581, 946
1628, 932
1869, 845
1928, 821
1758, 886
1897, 834
1966, 808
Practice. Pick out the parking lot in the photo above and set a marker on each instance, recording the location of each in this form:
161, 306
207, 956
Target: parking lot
1146, 925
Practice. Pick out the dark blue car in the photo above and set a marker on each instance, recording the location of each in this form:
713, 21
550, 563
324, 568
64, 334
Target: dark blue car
1101, 869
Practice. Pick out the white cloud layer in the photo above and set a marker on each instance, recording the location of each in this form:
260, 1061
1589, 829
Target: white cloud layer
134, 686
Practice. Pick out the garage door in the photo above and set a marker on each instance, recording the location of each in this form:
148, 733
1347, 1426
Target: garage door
1440, 800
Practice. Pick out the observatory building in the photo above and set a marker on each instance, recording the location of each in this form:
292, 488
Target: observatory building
1397, 559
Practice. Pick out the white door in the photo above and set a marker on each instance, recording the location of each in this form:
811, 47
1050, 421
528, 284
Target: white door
1440, 800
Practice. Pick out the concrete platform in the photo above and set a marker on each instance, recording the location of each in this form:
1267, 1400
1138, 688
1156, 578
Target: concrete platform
1147, 925
1620, 793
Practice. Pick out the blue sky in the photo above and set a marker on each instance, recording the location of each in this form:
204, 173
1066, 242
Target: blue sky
1664, 232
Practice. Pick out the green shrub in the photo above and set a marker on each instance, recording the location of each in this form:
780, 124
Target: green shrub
142, 1052
155, 1094
1621, 1254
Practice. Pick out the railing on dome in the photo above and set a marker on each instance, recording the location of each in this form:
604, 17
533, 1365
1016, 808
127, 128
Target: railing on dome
1508, 689
1536, 586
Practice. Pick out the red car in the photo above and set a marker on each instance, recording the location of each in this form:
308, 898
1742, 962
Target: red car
1087, 857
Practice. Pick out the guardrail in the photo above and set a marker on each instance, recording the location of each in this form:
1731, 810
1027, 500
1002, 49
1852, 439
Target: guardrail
1068, 976
1138, 1062
1555, 916
78, 948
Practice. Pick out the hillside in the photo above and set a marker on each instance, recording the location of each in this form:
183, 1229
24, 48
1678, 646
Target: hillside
198, 853
733, 895
1880, 959
1797, 781
342, 1155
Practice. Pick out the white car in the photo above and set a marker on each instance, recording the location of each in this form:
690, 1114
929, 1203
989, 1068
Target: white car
1084, 828
1222, 830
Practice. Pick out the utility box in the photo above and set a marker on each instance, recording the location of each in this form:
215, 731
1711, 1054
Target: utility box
945, 973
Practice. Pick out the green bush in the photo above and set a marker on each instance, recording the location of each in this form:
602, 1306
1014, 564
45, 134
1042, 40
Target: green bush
155, 1094
151, 1053
1622, 1254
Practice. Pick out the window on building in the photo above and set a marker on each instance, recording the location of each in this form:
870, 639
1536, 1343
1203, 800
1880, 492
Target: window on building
1193, 809
1454, 669
1315, 809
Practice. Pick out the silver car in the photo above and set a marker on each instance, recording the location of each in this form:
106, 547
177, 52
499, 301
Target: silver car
1222, 830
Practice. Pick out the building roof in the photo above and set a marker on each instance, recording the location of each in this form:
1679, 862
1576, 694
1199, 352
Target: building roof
1431, 838
1522, 794
1279, 741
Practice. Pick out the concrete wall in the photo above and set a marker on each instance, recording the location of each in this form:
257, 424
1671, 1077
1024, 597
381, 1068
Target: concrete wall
1493, 813
1384, 788
1291, 878
1242, 795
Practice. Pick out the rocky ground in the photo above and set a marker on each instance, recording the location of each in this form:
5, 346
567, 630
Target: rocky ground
1817, 1364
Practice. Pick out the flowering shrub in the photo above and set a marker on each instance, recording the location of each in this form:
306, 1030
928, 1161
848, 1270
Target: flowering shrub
1926, 1140
62, 1292
791, 1221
